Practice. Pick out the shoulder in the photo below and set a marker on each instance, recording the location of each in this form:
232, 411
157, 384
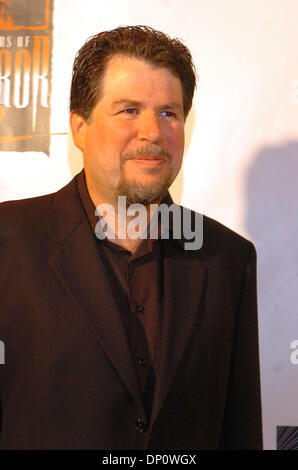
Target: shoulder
23, 216
29, 205
218, 235
220, 243
226, 250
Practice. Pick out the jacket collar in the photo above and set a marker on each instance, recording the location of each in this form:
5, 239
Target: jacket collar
167, 223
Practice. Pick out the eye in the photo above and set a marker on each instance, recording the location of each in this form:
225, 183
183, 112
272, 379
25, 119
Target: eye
130, 111
168, 114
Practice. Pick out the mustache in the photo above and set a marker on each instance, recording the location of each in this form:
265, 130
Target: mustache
152, 149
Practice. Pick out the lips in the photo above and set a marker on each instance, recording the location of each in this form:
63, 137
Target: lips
149, 161
149, 157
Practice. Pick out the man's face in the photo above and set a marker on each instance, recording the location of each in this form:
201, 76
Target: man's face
134, 141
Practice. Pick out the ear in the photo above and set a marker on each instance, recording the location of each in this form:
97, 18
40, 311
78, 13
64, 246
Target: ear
78, 127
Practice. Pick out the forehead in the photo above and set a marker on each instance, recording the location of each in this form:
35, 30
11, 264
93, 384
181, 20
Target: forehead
138, 76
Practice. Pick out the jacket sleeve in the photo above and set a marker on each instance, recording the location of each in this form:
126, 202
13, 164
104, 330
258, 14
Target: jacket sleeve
242, 426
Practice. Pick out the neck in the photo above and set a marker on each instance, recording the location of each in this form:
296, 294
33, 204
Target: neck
123, 224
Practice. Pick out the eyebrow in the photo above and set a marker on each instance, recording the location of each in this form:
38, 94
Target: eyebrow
127, 102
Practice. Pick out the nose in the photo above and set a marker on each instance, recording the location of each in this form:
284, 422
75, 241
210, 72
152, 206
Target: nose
150, 128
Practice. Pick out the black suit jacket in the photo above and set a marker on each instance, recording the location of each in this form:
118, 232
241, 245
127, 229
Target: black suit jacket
69, 382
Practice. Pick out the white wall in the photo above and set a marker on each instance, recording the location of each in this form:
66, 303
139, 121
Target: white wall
241, 161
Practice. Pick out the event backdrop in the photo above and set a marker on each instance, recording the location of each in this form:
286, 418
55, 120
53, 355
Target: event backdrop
241, 156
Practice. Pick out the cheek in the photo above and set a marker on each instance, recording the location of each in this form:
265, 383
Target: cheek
121, 131
109, 140
175, 140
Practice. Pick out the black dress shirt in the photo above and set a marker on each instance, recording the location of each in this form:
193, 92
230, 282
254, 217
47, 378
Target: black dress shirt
137, 281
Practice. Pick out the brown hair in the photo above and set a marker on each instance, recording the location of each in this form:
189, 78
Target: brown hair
141, 42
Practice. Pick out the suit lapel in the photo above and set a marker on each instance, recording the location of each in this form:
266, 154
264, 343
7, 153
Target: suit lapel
79, 268
184, 278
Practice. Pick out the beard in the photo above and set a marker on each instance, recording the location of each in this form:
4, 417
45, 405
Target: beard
143, 193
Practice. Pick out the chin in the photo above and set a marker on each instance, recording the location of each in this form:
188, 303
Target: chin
143, 193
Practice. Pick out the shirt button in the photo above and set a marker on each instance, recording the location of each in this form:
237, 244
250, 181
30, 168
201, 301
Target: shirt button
142, 362
139, 309
141, 425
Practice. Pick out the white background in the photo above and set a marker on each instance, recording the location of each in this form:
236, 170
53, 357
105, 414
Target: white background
241, 159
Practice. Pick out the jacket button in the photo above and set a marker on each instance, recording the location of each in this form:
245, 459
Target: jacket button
141, 425
139, 309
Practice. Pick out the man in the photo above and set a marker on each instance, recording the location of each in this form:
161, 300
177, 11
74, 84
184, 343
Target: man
116, 340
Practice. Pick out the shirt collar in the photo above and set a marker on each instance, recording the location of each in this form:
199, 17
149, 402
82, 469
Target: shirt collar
90, 208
